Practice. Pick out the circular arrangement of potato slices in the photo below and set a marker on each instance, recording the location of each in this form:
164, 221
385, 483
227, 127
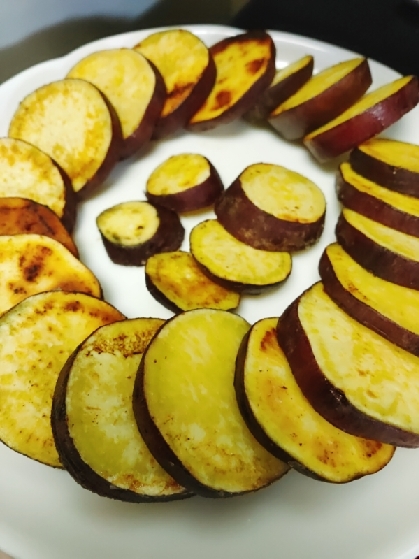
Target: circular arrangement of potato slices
205, 403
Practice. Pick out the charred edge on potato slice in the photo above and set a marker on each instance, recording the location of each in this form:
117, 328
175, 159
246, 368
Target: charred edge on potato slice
388, 162
203, 443
184, 182
325, 96
332, 402
117, 344
31, 263
98, 139
277, 414
382, 306
234, 264
38, 335
372, 114
380, 204
285, 83
176, 281
134, 87
28, 172
372, 246
188, 71
21, 216
271, 208
251, 56
133, 231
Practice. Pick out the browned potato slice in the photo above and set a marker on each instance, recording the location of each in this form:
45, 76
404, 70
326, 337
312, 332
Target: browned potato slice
32, 263
383, 306
133, 231
178, 282
186, 409
133, 86
184, 182
93, 422
38, 335
385, 252
236, 265
27, 172
322, 98
372, 114
73, 123
20, 216
356, 379
188, 70
381, 204
390, 163
286, 82
284, 422
245, 68
272, 208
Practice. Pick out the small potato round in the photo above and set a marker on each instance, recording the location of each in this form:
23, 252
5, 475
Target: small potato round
269, 207
133, 231
185, 182
237, 265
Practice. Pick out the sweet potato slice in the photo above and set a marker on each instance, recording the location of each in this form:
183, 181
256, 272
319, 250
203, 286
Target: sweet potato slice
186, 409
286, 82
385, 252
390, 163
28, 172
133, 231
38, 335
322, 98
93, 422
366, 118
284, 422
245, 68
236, 265
73, 123
356, 379
383, 306
381, 204
20, 216
184, 182
133, 86
272, 208
188, 71
32, 263
177, 282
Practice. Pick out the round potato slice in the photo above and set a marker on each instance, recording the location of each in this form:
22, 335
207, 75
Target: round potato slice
76, 126
133, 231
269, 207
237, 265
184, 182
188, 71
388, 162
186, 408
38, 335
286, 82
284, 422
28, 172
385, 252
356, 379
93, 422
176, 280
322, 98
373, 113
133, 86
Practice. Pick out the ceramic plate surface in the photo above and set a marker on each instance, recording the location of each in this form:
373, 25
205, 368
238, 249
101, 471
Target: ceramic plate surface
44, 514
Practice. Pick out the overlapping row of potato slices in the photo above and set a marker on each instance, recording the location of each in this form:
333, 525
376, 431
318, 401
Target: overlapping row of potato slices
205, 403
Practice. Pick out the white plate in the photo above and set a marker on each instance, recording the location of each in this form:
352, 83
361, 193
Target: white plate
44, 514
